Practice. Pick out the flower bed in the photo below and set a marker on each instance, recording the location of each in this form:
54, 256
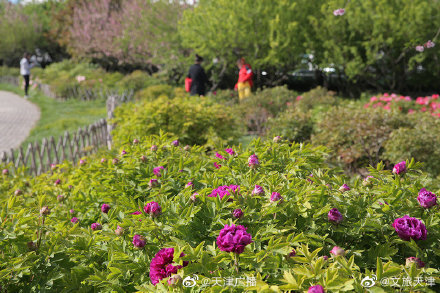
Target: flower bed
156, 214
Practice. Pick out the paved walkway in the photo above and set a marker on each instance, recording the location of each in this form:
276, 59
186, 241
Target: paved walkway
17, 117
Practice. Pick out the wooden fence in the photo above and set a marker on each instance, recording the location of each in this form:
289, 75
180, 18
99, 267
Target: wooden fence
39, 157
10, 80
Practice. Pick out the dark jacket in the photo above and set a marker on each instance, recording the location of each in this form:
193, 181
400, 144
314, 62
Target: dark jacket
199, 79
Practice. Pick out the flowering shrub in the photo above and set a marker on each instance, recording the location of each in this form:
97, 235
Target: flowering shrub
126, 250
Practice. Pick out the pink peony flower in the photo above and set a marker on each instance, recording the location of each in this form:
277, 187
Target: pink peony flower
399, 168
153, 209
335, 216
161, 265
157, 171
410, 260
258, 190
5, 172
230, 151
420, 48
426, 198
139, 241
336, 251
276, 197
74, 220
339, 12
237, 213
253, 161
233, 239
219, 156
105, 208
223, 190
410, 228
429, 44
344, 188
316, 289
96, 226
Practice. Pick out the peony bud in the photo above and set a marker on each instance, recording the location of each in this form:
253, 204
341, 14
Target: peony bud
44, 211
82, 162
253, 161
292, 253
115, 161
416, 260
60, 197
337, 251
237, 213
276, 197
174, 280
135, 141
96, 226
143, 159
5, 172
153, 148
153, 183
57, 182
53, 166
139, 241
335, 216
123, 153
175, 143
119, 231
105, 208
187, 148
367, 181
194, 196
72, 211
277, 139
316, 289
189, 185
344, 188
258, 190
18, 192
399, 168
74, 220
153, 209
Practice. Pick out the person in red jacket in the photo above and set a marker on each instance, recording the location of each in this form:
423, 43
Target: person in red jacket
244, 84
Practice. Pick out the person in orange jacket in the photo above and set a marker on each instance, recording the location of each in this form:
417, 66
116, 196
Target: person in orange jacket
244, 84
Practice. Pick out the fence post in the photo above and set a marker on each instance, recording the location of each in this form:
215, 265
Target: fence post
111, 105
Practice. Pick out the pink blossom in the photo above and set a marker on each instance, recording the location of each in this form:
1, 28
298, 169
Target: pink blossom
339, 12
429, 44
420, 48
80, 78
217, 165
219, 156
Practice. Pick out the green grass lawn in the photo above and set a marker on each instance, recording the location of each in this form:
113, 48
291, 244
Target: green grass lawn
59, 116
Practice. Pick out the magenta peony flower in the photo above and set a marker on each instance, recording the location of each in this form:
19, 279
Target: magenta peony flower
123, 152
258, 190
175, 143
161, 265
410, 228
233, 239
412, 259
138, 241
223, 190
219, 156
57, 182
96, 226
189, 184
399, 168
153, 183
230, 151
218, 166
237, 213
153, 209
157, 170
276, 197
105, 208
336, 251
253, 161
426, 198
5, 172
316, 289
344, 188
153, 148
420, 48
137, 213
335, 216
292, 253
74, 220
120, 231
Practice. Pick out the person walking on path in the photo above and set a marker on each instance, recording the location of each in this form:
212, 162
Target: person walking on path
244, 84
198, 77
25, 71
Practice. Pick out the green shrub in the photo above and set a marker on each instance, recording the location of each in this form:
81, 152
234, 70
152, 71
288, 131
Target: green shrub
153, 92
292, 124
47, 252
195, 120
420, 141
318, 98
357, 136
137, 80
9, 71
